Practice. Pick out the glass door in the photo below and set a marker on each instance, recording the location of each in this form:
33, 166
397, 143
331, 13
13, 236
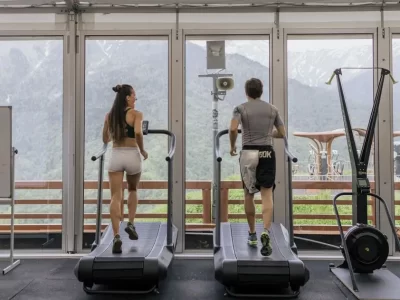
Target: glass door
142, 62
31, 82
246, 57
315, 128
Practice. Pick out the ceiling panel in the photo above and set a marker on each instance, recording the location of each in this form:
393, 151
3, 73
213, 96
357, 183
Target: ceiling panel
193, 3
190, 2
227, 2
30, 3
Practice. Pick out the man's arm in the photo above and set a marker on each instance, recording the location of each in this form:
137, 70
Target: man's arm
106, 134
280, 131
233, 129
233, 132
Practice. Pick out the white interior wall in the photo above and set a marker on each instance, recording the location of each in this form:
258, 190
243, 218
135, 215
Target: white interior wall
30, 22
149, 21
122, 21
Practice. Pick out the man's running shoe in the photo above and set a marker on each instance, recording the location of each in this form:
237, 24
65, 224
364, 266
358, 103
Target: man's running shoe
252, 239
266, 249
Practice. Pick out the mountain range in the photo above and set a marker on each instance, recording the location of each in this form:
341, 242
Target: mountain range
31, 81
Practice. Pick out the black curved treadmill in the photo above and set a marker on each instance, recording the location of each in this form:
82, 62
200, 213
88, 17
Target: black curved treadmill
142, 263
239, 266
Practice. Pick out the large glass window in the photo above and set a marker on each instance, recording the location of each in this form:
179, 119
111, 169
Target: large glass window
246, 57
142, 63
315, 128
31, 81
396, 127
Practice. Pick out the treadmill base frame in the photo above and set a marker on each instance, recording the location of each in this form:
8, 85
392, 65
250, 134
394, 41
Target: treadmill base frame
272, 296
138, 268
91, 291
237, 265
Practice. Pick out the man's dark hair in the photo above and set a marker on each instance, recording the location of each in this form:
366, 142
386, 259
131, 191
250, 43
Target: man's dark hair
253, 88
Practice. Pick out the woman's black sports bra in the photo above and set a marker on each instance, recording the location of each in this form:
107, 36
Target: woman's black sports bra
129, 130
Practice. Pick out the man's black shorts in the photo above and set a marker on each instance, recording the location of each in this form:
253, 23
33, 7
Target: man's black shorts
265, 170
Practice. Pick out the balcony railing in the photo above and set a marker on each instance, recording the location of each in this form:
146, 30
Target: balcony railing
54, 220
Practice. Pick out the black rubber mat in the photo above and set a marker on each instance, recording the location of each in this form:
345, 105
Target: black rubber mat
141, 248
188, 279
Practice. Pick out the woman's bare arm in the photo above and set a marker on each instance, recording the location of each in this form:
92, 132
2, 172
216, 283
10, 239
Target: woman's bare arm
139, 132
106, 134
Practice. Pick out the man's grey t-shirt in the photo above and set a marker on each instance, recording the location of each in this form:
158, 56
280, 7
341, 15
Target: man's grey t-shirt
258, 119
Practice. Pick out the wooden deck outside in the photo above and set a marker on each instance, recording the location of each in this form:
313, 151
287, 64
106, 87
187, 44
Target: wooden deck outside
52, 220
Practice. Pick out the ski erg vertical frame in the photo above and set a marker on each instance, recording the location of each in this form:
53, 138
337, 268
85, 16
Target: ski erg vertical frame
359, 164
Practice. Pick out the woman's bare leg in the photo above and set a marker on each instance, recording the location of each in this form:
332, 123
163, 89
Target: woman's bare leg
122, 205
133, 183
116, 179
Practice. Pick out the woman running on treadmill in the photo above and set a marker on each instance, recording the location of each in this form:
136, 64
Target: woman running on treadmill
123, 126
257, 158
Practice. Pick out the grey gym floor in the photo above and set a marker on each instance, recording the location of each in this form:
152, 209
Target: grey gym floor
188, 279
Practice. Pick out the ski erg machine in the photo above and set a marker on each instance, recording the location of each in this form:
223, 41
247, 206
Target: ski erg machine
364, 247
239, 266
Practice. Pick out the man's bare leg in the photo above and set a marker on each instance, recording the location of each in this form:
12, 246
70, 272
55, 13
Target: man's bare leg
250, 210
267, 207
267, 211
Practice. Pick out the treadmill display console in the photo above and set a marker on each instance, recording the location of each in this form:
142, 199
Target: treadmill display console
363, 183
145, 127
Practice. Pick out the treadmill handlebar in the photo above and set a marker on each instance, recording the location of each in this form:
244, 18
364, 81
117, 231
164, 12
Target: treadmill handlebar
100, 153
154, 131
223, 132
217, 137
173, 141
288, 153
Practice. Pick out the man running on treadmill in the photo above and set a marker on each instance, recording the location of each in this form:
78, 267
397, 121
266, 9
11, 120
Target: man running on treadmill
257, 158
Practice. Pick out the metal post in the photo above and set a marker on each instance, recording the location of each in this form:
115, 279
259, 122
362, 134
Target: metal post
13, 263
170, 202
99, 200
215, 94
290, 194
100, 156
290, 158
217, 199
218, 207
215, 131
12, 207
169, 159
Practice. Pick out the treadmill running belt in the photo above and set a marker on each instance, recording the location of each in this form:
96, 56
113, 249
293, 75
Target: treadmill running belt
244, 252
139, 249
